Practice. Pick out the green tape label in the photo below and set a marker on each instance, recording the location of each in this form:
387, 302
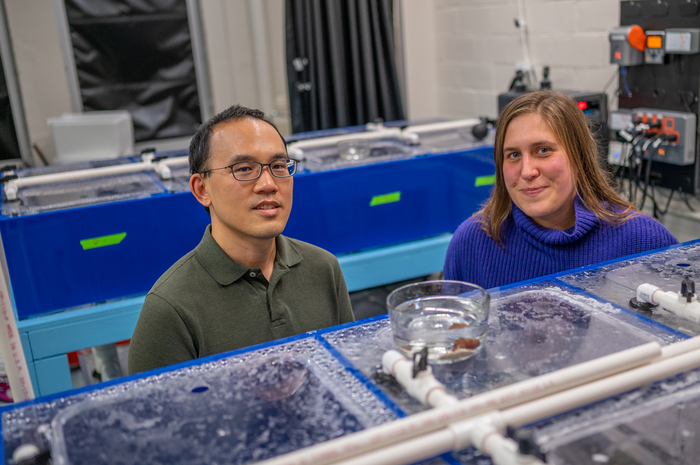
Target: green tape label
102, 241
383, 199
485, 180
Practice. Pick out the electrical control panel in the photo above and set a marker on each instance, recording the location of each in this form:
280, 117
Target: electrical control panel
660, 135
682, 41
627, 45
668, 80
654, 52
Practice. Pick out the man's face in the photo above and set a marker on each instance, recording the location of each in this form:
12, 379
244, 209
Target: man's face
244, 211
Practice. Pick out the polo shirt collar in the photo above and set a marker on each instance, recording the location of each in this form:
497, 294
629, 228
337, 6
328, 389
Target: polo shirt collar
225, 270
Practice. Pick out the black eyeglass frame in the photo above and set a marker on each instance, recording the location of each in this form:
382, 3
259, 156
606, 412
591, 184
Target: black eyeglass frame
262, 165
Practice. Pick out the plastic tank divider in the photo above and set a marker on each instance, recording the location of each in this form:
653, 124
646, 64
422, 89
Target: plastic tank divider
11, 187
347, 364
156, 180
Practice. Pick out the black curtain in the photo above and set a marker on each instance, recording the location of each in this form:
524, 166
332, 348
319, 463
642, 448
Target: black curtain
340, 63
9, 147
136, 55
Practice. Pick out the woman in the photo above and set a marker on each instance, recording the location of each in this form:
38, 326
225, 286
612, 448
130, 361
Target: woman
552, 208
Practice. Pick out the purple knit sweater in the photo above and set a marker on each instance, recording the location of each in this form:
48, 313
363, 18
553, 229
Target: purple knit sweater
531, 250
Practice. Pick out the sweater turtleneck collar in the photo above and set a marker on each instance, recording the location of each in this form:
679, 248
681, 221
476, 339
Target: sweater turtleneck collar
585, 221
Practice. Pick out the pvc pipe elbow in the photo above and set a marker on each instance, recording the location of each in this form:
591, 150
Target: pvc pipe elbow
11, 190
487, 436
645, 293
296, 152
485, 427
689, 311
424, 387
670, 301
164, 171
410, 137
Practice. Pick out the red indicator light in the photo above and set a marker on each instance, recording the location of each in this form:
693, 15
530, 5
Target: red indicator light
618, 55
582, 105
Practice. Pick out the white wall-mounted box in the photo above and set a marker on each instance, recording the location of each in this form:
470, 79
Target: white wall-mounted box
96, 135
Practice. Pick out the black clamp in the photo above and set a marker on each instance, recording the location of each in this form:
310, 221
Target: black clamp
545, 84
8, 177
388, 382
688, 289
526, 444
420, 361
481, 130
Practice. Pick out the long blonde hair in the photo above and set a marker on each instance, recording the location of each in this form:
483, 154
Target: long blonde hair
568, 124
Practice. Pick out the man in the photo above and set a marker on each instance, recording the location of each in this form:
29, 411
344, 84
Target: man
244, 283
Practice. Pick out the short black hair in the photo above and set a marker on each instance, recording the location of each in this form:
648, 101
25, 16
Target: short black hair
199, 145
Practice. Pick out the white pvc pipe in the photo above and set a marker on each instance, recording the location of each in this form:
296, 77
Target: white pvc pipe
424, 387
426, 446
80, 174
487, 436
389, 133
443, 126
11, 347
431, 420
484, 431
601, 389
505, 451
680, 347
673, 302
161, 167
175, 161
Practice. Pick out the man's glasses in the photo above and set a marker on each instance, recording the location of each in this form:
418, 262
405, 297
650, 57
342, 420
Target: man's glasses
251, 170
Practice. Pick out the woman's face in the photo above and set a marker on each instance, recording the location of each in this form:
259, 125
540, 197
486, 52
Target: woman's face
539, 178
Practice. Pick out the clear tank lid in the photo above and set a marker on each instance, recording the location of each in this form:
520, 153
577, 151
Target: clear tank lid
618, 282
58, 196
92, 191
328, 158
656, 424
453, 140
239, 410
533, 330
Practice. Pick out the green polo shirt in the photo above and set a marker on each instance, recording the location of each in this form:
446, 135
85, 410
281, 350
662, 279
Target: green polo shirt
206, 303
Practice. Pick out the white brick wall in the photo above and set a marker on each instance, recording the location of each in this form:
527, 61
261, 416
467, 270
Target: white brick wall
477, 46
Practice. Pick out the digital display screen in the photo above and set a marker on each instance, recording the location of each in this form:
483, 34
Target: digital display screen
678, 41
654, 42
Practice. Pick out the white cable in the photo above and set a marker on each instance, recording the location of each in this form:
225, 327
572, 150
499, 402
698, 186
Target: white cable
523, 39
